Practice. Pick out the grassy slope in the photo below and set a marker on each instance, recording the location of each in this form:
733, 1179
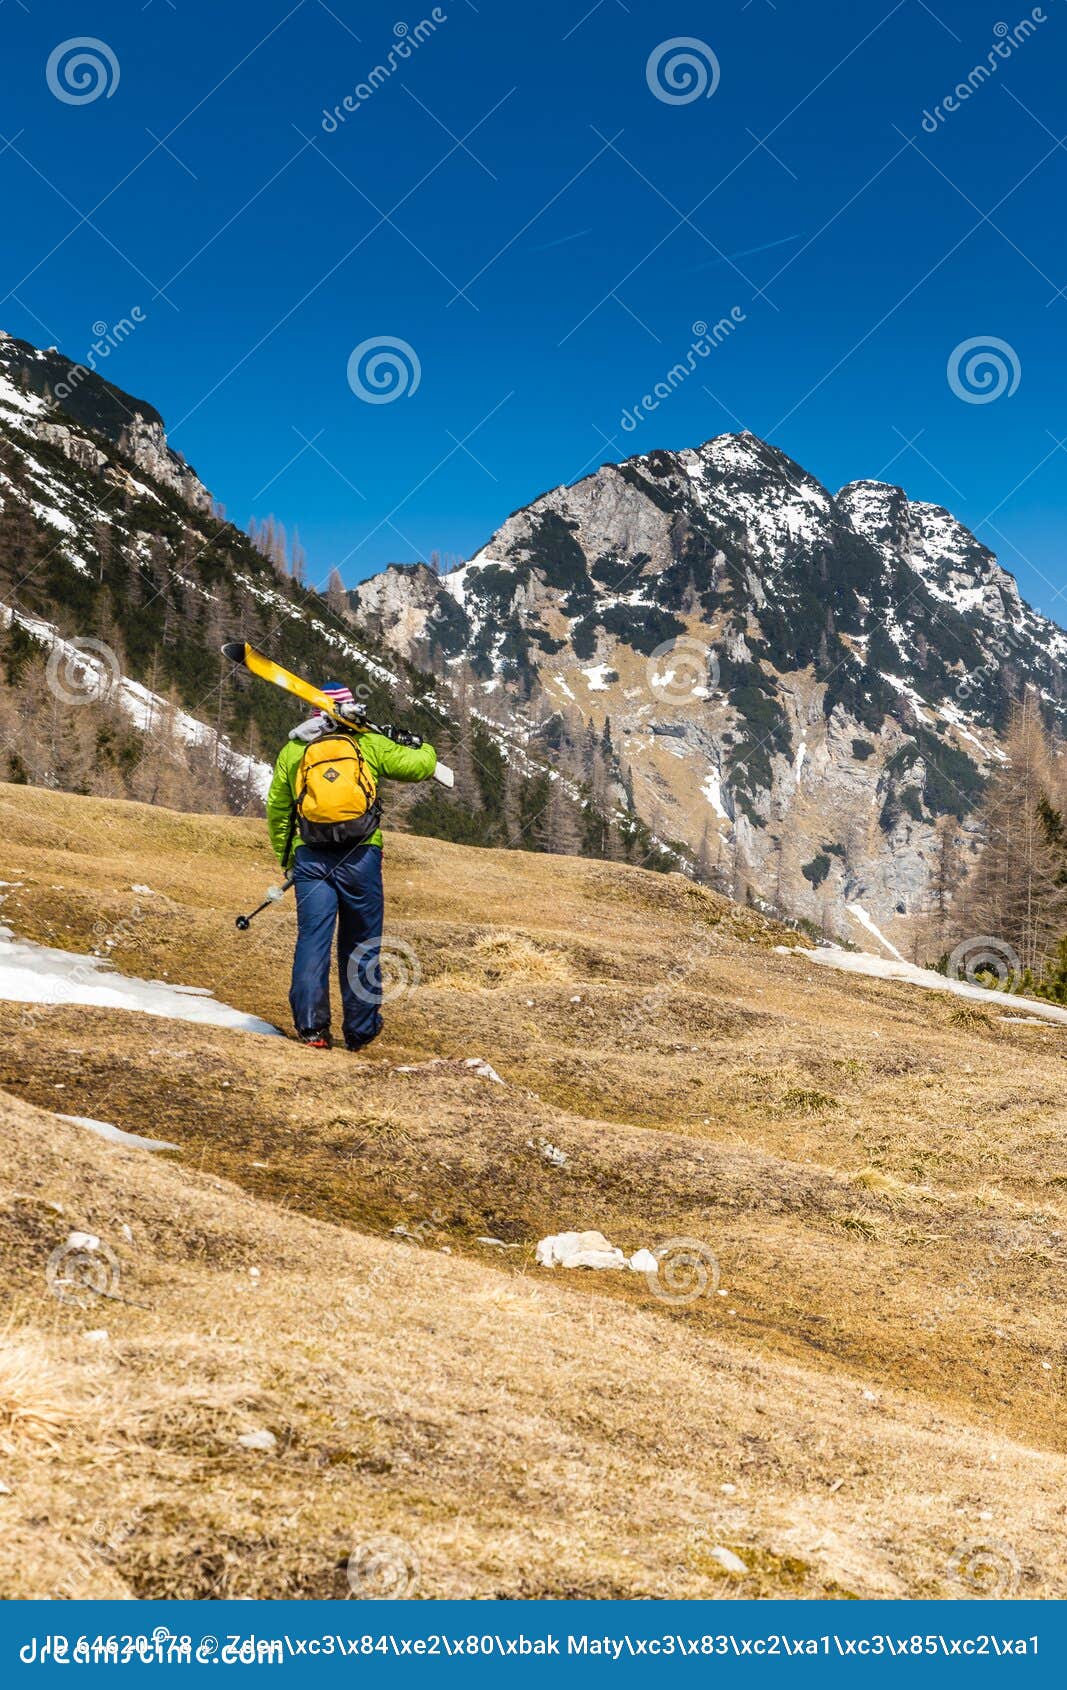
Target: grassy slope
882, 1187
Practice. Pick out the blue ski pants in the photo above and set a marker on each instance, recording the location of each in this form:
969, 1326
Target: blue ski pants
338, 886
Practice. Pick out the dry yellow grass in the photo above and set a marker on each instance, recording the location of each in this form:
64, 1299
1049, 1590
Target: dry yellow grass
881, 1187
34, 1401
519, 1436
500, 959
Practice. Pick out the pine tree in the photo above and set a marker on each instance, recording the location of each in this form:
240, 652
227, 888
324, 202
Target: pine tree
563, 832
1017, 892
297, 560
705, 860
336, 597
932, 931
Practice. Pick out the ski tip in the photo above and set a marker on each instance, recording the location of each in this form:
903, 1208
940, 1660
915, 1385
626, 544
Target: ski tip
444, 774
235, 651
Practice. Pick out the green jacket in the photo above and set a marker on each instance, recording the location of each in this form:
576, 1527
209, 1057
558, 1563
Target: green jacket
384, 759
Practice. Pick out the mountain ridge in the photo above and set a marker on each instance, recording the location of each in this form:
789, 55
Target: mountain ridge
864, 652
700, 659
120, 579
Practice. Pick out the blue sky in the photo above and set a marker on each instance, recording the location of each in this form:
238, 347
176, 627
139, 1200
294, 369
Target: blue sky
516, 202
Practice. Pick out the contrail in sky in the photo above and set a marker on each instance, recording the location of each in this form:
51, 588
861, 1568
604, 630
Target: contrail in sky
746, 252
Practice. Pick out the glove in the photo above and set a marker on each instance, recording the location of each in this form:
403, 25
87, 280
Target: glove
352, 712
400, 736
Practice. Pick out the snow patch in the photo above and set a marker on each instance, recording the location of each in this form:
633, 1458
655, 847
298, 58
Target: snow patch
953, 714
858, 913
712, 791
458, 580
31, 973
590, 1250
483, 1068
115, 1135
146, 709
917, 702
886, 968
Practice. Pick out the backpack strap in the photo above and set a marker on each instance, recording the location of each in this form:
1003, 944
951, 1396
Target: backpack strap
342, 833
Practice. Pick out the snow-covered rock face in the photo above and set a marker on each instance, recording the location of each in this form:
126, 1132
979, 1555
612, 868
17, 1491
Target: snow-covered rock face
144, 440
89, 675
799, 685
950, 562
126, 581
48, 391
405, 606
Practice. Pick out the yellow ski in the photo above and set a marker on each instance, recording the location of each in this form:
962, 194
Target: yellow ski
247, 657
267, 670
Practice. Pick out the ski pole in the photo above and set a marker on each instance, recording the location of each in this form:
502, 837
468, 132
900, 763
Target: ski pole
274, 896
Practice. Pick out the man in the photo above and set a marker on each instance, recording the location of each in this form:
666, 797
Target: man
325, 787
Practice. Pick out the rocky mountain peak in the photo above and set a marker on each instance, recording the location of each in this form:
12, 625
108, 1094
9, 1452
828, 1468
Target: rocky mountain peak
50, 392
953, 565
799, 685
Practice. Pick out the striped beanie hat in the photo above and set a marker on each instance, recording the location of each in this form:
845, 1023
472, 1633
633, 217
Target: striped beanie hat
339, 693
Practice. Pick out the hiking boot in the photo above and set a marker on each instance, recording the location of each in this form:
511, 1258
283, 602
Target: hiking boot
360, 1044
318, 1039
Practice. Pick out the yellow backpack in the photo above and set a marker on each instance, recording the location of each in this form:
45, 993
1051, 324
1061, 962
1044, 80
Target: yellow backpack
337, 798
